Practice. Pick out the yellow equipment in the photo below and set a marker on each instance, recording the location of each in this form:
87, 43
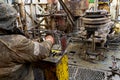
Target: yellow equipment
55, 67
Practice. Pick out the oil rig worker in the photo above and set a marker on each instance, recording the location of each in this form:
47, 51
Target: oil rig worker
17, 53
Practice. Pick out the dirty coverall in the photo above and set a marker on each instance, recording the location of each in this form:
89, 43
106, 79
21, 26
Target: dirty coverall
17, 53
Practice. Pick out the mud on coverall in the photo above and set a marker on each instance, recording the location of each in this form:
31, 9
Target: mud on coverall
17, 53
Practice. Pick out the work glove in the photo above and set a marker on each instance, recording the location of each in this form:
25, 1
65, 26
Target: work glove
49, 38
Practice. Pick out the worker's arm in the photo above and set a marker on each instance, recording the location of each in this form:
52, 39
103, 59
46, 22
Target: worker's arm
30, 51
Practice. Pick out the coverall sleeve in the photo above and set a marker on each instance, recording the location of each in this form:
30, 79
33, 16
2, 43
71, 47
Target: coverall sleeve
30, 51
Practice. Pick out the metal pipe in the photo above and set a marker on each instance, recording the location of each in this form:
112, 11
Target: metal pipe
96, 5
70, 16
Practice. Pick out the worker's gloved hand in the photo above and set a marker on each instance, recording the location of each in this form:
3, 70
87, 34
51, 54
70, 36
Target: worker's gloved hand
50, 38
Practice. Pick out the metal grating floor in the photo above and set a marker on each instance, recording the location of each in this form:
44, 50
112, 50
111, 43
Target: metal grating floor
77, 73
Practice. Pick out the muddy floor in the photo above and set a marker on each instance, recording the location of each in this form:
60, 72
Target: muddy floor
75, 59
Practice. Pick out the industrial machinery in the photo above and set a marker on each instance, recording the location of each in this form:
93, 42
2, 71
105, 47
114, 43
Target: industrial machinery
54, 67
97, 25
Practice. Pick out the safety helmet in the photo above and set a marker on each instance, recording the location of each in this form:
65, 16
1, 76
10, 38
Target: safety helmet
7, 16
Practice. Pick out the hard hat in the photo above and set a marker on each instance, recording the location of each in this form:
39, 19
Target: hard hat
7, 16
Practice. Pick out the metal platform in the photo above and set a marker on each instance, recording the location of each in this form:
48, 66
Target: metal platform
77, 73
80, 69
